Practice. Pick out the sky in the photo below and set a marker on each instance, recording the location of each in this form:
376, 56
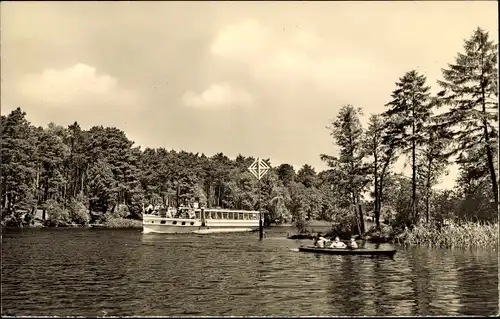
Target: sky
260, 79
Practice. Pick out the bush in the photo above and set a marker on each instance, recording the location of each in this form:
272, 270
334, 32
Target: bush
384, 235
58, 216
301, 225
15, 218
78, 213
113, 222
120, 211
137, 203
344, 223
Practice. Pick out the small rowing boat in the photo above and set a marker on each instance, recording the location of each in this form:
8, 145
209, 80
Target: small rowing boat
348, 251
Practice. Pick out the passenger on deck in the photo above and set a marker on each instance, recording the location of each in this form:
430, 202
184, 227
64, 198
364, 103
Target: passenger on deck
337, 243
353, 244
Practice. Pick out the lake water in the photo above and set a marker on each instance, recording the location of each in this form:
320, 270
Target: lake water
96, 272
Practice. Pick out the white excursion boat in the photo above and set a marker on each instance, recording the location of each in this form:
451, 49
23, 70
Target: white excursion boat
200, 220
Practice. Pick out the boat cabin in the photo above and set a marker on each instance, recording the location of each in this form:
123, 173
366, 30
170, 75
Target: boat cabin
235, 215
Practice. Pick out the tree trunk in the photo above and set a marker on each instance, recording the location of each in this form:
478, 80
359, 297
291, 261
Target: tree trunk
380, 192
377, 206
64, 193
491, 166
5, 204
219, 196
207, 191
37, 185
489, 153
45, 197
428, 190
414, 172
427, 208
361, 219
177, 196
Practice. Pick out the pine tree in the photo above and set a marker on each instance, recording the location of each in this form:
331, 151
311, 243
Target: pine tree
18, 178
408, 112
432, 162
348, 135
470, 89
383, 156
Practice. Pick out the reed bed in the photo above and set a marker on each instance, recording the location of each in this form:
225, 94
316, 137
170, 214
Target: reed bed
119, 222
465, 235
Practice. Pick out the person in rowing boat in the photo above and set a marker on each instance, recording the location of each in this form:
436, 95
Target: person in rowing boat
320, 241
353, 244
337, 243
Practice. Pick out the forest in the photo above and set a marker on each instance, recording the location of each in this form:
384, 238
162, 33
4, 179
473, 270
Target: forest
78, 176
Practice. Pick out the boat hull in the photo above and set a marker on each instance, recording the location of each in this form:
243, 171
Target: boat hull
162, 225
347, 251
160, 229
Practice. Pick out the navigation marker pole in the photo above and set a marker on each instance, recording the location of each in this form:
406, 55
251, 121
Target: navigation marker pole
259, 168
260, 215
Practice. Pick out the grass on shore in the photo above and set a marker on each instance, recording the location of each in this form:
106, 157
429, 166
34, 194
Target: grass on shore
465, 235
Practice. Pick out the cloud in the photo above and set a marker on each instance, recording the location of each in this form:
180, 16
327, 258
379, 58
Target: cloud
242, 41
74, 87
218, 95
291, 57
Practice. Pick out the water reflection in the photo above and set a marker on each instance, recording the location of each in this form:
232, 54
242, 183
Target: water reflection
470, 265
124, 272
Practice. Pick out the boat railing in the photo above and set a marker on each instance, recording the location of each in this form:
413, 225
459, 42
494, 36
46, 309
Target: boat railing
207, 214
227, 210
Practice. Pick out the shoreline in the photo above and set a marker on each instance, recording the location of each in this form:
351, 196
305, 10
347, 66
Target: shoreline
103, 225
465, 235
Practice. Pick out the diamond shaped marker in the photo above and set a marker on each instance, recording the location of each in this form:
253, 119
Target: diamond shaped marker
259, 168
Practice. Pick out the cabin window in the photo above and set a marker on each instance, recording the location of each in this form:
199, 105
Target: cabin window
238, 215
197, 214
224, 215
192, 223
174, 222
152, 222
183, 223
163, 222
246, 216
219, 215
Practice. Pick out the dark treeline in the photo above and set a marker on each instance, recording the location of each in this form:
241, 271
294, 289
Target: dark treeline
76, 175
